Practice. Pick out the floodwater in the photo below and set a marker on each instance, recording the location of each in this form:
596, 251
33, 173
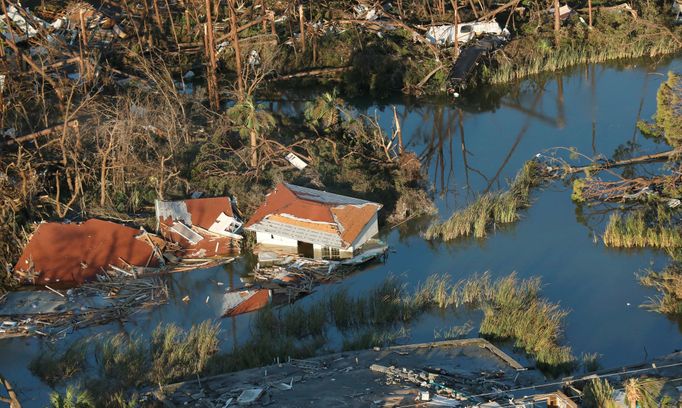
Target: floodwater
469, 145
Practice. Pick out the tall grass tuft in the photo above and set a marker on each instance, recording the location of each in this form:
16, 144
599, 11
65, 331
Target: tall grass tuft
178, 354
669, 283
613, 37
53, 367
634, 230
517, 312
123, 360
489, 209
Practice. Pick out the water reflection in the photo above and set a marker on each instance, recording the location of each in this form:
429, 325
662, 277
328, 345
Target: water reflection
470, 146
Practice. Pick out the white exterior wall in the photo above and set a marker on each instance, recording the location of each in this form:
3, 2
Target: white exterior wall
343, 253
370, 230
266, 238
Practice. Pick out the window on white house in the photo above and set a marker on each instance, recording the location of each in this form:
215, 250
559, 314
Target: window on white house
330, 253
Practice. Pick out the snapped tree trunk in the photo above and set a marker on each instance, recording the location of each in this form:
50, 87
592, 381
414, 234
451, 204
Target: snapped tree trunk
237, 50
301, 22
13, 400
557, 22
211, 63
254, 151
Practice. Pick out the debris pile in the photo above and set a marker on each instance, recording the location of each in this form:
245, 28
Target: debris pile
55, 313
379, 377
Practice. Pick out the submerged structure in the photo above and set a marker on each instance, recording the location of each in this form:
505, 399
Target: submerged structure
202, 227
314, 224
71, 254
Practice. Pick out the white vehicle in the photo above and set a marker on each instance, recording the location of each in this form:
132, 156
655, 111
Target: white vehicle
445, 34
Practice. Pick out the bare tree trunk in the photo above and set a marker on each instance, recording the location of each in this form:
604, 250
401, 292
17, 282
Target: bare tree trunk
237, 50
211, 66
254, 151
455, 6
473, 8
13, 400
589, 9
301, 22
398, 131
557, 22
157, 16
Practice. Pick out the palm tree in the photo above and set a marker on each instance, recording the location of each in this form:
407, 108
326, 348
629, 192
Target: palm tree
73, 398
642, 392
324, 110
598, 394
252, 122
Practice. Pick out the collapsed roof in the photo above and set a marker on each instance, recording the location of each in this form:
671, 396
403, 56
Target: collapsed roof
313, 216
71, 254
206, 227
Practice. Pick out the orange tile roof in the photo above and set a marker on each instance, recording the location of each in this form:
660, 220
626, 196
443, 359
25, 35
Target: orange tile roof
205, 211
316, 210
75, 253
353, 219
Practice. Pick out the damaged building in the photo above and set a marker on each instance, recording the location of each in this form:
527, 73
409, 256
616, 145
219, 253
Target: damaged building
314, 224
70, 254
202, 227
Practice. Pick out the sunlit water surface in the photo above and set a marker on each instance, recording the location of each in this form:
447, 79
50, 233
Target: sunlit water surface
470, 145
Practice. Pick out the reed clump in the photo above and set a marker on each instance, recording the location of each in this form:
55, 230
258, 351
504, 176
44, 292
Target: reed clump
489, 209
53, 367
614, 36
177, 354
517, 312
123, 362
637, 229
667, 121
668, 282
513, 310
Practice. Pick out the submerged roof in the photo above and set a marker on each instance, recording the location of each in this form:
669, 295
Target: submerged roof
313, 216
76, 253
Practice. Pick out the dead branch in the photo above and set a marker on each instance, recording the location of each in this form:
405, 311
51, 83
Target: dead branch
647, 158
45, 132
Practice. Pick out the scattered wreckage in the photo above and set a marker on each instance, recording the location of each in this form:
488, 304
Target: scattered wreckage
304, 236
112, 270
394, 376
452, 373
445, 35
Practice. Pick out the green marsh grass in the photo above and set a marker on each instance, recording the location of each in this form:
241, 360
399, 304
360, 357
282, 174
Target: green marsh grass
512, 310
489, 209
53, 368
669, 284
176, 353
614, 37
635, 230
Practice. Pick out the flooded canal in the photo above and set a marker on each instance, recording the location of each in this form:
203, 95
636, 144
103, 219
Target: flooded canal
469, 146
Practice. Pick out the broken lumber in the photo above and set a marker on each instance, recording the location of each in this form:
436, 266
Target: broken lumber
312, 72
498, 10
45, 132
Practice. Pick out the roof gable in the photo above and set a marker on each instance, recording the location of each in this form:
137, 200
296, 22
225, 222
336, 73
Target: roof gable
306, 208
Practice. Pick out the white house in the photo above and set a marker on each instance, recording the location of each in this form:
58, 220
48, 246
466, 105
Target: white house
314, 224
